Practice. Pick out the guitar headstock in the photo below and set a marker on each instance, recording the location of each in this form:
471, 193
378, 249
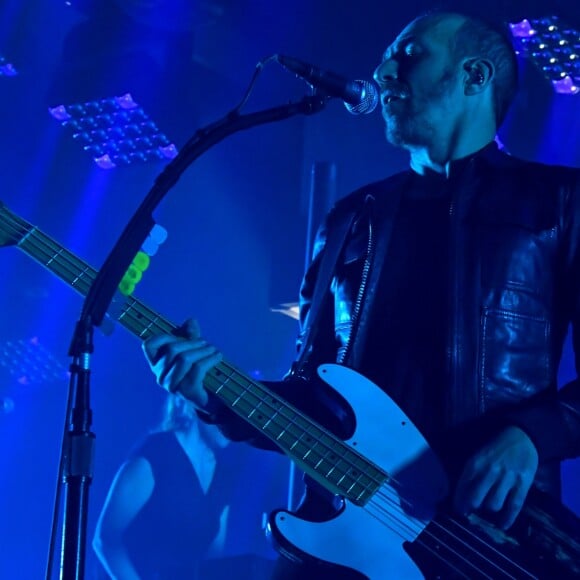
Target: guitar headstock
12, 228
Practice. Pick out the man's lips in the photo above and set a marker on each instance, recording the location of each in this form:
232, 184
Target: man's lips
393, 94
391, 99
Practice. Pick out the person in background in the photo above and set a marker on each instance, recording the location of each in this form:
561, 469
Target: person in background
168, 512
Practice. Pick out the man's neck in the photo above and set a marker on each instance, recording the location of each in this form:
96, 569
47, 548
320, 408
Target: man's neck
438, 156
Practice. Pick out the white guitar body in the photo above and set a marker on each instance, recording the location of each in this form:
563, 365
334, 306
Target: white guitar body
370, 538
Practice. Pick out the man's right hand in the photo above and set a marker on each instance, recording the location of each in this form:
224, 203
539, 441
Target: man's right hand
180, 362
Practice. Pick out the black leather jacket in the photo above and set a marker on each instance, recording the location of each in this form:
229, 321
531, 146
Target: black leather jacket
515, 289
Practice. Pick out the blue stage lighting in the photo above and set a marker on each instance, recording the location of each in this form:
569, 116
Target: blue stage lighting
28, 362
6, 68
115, 131
554, 47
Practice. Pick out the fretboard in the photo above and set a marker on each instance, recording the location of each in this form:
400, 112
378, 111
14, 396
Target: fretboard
317, 451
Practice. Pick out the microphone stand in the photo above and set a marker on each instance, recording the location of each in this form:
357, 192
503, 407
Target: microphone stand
76, 462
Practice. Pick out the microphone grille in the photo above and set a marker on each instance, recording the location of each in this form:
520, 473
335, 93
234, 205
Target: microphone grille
368, 101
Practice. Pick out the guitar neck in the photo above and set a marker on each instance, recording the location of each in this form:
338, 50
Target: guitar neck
134, 315
323, 456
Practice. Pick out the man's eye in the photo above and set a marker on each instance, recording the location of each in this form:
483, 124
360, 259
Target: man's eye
411, 50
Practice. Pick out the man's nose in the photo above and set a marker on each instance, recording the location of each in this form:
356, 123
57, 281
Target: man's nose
386, 71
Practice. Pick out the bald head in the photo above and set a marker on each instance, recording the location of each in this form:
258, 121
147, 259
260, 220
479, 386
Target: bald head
436, 99
441, 23
470, 37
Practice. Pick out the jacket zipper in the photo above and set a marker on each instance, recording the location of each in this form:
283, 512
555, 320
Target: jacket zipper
452, 349
363, 285
454, 341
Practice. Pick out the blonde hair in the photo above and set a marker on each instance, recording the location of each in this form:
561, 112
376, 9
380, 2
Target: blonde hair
179, 414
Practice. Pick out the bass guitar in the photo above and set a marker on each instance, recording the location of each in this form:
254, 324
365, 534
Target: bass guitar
391, 524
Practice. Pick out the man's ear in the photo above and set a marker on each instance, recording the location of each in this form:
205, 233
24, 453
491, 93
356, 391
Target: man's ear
478, 74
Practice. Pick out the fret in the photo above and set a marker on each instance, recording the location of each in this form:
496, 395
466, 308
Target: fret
53, 258
347, 474
30, 232
221, 386
292, 441
56, 259
329, 473
306, 432
281, 434
147, 327
356, 483
142, 315
254, 409
318, 452
270, 420
124, 313
79, 277
240, 393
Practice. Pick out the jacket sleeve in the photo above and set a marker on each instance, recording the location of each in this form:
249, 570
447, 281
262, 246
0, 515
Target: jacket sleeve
552, 421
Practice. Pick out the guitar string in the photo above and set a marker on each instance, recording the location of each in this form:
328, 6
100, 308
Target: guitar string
453, 522
436, 552
82, 282
126, 312
385, 495
86, 276
29, 238
405, 522
471, 552
457, 539
384, 515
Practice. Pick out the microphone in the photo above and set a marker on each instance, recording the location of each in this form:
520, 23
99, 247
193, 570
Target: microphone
360, 97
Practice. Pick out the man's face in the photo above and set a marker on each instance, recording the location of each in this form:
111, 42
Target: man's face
420, 83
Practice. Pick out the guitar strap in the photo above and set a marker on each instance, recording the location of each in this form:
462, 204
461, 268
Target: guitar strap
390, 191
335, 242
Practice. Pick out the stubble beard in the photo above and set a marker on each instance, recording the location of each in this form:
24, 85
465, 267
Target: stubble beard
414, 125
407, 128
